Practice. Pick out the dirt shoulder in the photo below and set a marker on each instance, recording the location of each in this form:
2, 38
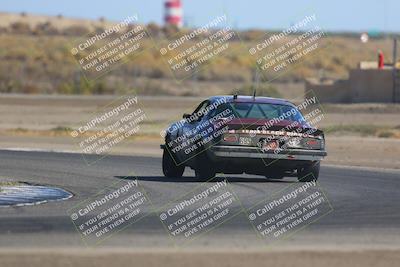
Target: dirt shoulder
363, 151
220, 258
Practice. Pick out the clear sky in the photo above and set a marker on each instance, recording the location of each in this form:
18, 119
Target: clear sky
336, 15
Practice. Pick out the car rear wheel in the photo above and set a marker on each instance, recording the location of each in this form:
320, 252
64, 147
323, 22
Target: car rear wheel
309, 173
170, 169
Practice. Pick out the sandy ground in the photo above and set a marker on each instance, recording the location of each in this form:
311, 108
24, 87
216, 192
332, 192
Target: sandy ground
166, 258
24, 120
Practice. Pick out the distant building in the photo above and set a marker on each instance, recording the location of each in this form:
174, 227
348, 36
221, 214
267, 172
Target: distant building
173, 13
367, 83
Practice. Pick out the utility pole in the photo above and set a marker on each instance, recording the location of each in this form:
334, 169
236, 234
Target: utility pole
395, 72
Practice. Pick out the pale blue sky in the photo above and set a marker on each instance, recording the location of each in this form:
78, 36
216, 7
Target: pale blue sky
337, 15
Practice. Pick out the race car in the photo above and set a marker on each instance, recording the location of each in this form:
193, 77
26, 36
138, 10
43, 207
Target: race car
244, 134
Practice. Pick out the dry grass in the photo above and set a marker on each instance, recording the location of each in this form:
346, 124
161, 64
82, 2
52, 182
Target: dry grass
31, 62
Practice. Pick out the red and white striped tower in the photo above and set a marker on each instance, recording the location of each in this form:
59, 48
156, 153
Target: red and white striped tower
173, 13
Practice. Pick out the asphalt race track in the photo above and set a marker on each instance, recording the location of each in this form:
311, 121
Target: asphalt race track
366, 203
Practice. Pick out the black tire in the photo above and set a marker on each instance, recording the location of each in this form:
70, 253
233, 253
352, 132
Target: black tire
309, 173
204, 170
170, 169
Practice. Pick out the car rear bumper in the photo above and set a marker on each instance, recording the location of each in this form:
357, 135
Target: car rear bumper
256, 153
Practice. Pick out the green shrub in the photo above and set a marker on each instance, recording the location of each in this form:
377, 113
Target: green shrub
20, 28
62, 129
386, 134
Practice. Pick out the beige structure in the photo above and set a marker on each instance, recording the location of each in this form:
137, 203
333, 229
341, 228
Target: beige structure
365, 84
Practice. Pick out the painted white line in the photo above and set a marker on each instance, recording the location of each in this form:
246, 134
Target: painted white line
10, 197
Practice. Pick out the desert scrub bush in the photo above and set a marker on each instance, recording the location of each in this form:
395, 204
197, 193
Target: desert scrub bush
76, 30
154, 30
20, 28
45, 28
386, 134
62, 129
85, 87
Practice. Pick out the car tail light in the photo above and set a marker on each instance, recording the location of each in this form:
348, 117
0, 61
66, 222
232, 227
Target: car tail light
312, 142
304, 143
233, 138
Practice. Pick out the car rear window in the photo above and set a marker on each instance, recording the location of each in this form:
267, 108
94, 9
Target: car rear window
264, 111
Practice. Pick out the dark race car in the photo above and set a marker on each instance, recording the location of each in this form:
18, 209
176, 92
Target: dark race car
244, 134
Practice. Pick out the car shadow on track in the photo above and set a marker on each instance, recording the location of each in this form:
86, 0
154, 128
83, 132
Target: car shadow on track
189, 179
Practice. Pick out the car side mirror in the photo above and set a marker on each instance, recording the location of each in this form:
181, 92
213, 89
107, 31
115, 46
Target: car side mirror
186, 116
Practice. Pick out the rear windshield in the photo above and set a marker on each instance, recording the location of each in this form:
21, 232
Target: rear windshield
264, 111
